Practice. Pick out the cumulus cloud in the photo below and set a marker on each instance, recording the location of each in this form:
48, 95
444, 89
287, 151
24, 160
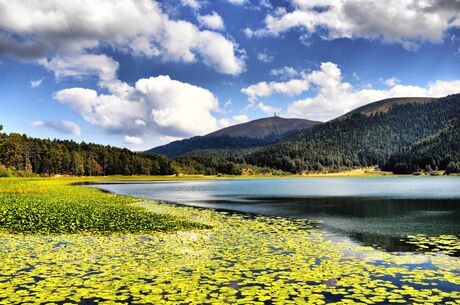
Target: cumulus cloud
34, 29
169, 139
132, 140
267, 108
237, 2
80, 66
391, 82
332, 96
237, 119
212, 21
36, 83
264, 57
406, 22
194, 4
265, 89
285, 72
265, 4
335, 97
66, 127
168, 107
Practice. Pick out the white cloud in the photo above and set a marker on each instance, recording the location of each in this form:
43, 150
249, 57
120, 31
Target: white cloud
285, 72
265, 4
139, 122
237, 119
264, 57
334, 97
36, 83
267, 108
157, 104
132, 140
194, 4
391, 82
406, 22
237, 2
169, 139
228, 103
264, 89
85, 65
34, 29
66, 127
212, 21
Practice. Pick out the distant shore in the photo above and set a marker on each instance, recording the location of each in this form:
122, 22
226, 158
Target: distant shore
369, 172
355, 173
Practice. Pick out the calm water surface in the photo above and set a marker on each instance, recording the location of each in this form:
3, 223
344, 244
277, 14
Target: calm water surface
373, 211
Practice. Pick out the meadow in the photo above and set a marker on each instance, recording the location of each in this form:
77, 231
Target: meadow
185, 255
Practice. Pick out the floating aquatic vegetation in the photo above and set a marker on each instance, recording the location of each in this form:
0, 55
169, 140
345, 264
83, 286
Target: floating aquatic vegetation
448, 244
240, 260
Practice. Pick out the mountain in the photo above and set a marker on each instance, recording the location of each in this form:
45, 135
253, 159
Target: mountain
366, 136
255, 133
266, 128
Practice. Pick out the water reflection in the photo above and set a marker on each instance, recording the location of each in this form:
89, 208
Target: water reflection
375, 212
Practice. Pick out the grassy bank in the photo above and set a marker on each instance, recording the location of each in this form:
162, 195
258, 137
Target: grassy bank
54, 206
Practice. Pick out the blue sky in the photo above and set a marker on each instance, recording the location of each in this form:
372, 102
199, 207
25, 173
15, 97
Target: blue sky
138, 74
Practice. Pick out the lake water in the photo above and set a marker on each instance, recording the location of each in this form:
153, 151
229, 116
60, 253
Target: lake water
372, 211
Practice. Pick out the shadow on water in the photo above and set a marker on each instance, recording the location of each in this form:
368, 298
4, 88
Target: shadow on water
376, 222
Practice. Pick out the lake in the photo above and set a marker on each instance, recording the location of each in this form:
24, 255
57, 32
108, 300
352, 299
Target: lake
373, 211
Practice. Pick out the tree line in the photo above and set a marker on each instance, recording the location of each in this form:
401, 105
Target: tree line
24, 154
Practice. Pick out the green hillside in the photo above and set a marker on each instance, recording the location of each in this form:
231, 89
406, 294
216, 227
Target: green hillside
365, 137
440, 151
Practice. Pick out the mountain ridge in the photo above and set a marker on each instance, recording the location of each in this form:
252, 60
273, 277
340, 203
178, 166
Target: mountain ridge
264, 127
250, 134
384, 105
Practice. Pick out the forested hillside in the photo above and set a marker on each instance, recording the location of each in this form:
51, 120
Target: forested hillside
360, 139
440, 151
22, 154
207, 145
243, 136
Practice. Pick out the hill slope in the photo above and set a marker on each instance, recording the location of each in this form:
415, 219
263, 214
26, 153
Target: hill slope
386, 104
367, 136
440, 151
242, 136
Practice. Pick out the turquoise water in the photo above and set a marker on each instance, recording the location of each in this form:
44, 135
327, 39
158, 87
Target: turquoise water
373, 211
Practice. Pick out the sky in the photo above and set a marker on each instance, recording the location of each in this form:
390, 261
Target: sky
142, 73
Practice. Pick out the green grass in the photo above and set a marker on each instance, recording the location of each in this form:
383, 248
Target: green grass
54, 206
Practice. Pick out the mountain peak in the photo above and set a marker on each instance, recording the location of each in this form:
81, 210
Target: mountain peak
274, 126
241, 136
